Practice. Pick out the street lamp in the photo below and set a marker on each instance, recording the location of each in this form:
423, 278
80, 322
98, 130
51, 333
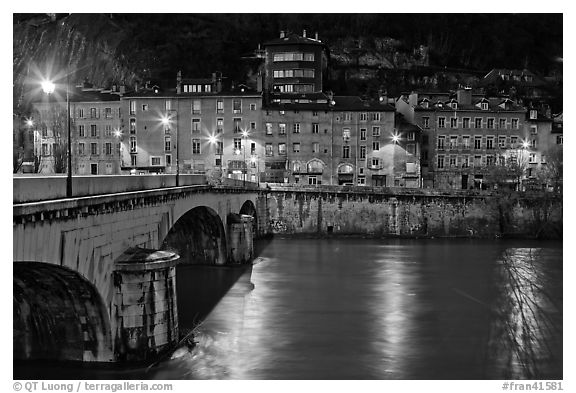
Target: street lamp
118, 134
254, 160
245, 172
49, 87
166, 122
214, 142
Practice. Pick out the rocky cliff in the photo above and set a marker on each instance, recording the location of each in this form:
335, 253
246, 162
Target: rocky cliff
86, 45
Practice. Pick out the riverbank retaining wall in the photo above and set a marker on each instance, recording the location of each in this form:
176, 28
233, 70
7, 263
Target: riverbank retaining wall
425, 214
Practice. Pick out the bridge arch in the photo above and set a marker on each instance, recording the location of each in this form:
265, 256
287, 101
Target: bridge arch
198, 236
248, 208
58, 315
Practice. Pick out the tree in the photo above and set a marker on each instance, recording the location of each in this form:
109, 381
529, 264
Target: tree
56, 133
552, 172
510, 172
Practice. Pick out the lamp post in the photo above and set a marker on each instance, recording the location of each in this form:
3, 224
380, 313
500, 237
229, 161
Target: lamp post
48, 87
214, 142
395, 139
254, 159
245, 171
166, 122
118, 134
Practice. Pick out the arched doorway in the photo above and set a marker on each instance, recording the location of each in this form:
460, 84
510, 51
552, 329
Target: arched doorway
345, 174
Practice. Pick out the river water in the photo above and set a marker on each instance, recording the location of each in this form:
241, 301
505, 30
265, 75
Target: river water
353, 308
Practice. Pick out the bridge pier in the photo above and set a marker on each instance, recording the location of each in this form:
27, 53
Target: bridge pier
145, 313
240, 238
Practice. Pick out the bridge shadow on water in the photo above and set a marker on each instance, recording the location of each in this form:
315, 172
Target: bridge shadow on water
199, 289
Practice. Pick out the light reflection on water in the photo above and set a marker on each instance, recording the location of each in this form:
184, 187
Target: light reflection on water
367, 309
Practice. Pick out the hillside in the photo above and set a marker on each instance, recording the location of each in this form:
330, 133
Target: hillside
123, 48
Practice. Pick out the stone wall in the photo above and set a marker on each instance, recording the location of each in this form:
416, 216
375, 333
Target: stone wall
418, 215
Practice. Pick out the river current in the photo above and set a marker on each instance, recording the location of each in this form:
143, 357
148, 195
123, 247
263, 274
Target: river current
354, 308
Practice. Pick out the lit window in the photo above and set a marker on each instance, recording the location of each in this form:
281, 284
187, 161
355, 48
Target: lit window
346, 134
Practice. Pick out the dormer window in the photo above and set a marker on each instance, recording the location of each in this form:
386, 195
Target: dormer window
484, 106
533, 114
425, 104
454, 105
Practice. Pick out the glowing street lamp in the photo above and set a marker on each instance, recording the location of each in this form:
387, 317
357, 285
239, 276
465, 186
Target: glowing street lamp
213, 140
30, 123
245, 135
118, 134
49, 87
165, 120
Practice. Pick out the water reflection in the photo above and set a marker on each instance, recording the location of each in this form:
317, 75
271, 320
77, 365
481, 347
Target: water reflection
372, 309
397, 309
526, 332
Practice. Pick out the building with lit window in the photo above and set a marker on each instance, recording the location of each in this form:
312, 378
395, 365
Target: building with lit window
295, 64
95, 126
464, 135
198, 127
313, 137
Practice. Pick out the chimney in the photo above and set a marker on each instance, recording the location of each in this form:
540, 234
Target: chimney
281, 33
464, 96
304, 33
136, 86
122, 89
179, 82
316, 36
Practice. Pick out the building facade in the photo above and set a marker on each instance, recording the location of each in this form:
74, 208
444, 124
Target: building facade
466, 135
196, 128
95, 124
295, 64
338, 140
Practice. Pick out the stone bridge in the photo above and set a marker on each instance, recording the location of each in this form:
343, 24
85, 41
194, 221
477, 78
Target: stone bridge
94, 275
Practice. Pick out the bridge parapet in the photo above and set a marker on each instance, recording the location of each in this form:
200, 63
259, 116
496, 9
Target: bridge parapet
42, 188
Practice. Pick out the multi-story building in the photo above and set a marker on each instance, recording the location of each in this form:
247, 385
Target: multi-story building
313, 137
95, 124
331, 140
198, 127
465, 135
538, 135
295, 64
